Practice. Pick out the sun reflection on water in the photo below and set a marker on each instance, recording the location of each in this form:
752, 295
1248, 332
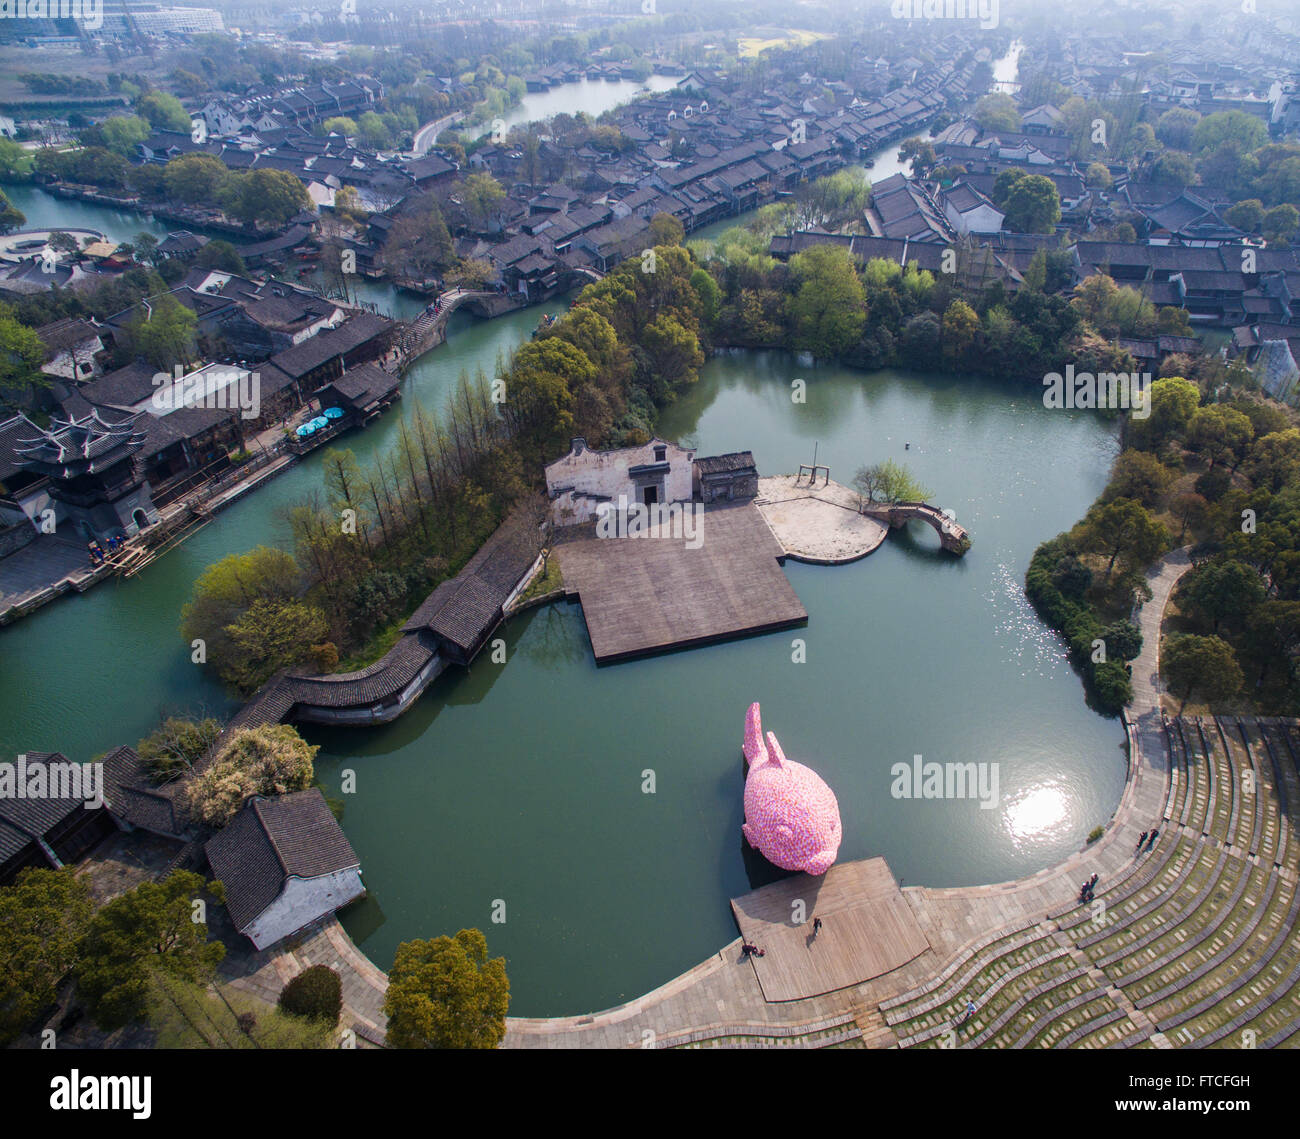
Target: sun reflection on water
1037, 811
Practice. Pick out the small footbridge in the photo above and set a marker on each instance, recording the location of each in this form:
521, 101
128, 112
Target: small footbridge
429, 329
952, 536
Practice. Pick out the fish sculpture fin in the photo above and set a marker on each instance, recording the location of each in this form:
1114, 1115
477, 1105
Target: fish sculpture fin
774, 753
755, 752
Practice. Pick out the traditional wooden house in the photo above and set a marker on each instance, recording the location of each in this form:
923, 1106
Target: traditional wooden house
725, 478
284, 862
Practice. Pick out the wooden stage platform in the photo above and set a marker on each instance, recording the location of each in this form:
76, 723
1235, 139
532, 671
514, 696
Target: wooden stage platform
646, 595
868, 930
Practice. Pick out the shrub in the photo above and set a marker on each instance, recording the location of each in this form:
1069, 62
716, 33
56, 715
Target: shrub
316, 993
1111, 685
324, 658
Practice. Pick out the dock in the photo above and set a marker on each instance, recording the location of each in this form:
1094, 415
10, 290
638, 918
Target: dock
868, 930
643, 595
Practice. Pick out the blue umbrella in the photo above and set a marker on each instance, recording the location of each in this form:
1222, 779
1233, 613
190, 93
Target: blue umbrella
319, 422
333, 413
307, 429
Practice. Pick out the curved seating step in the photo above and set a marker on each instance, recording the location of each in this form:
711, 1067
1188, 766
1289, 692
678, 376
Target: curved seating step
1160, 931
1162, 894
1223, 993
1079, 973
1209, 930
930, 1032
964, 954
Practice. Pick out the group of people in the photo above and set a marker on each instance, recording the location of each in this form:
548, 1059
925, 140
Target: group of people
1147, 837
97, 554
747, 950
1085, 891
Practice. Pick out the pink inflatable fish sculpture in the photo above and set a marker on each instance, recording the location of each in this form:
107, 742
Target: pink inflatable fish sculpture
791, 816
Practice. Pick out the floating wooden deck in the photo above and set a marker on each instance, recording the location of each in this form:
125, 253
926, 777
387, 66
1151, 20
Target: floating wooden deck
646, 595
868, 930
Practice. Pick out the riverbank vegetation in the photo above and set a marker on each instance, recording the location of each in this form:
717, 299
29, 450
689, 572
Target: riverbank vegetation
1215, 467
445, 992
140, 966
371, 545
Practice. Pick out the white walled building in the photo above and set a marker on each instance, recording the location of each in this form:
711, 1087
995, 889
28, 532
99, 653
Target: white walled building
284, 862
655, 472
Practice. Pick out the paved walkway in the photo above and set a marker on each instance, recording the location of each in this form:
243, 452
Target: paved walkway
819, 524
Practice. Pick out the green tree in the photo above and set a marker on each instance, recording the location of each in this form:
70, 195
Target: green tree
272, 634
226, 590
21, 356
481, 194
150, 927
195, 178
1246, 130
997, 112
15, 162
1033, 205
1200, 664
1247, 216
1174, 128
219, 254
163, 111
666, 230
164, 333
374, 132
1173, 401
340, 124
1224, 589
1125, 528
888, 481
446, 993
263, 197
1275, 459
272, 759
1218, 431
1138, 475
1173, 167
960, 325
1098, 177
43, 917
832, 202
123, 133
1280, 223
828, 311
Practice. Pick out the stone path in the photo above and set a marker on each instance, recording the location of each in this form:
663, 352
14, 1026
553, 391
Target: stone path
820, 524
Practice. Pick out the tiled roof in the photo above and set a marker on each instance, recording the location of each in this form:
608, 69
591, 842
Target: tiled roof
271, 840
725, 464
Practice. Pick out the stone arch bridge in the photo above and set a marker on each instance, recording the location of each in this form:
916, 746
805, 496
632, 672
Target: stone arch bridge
952, 536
